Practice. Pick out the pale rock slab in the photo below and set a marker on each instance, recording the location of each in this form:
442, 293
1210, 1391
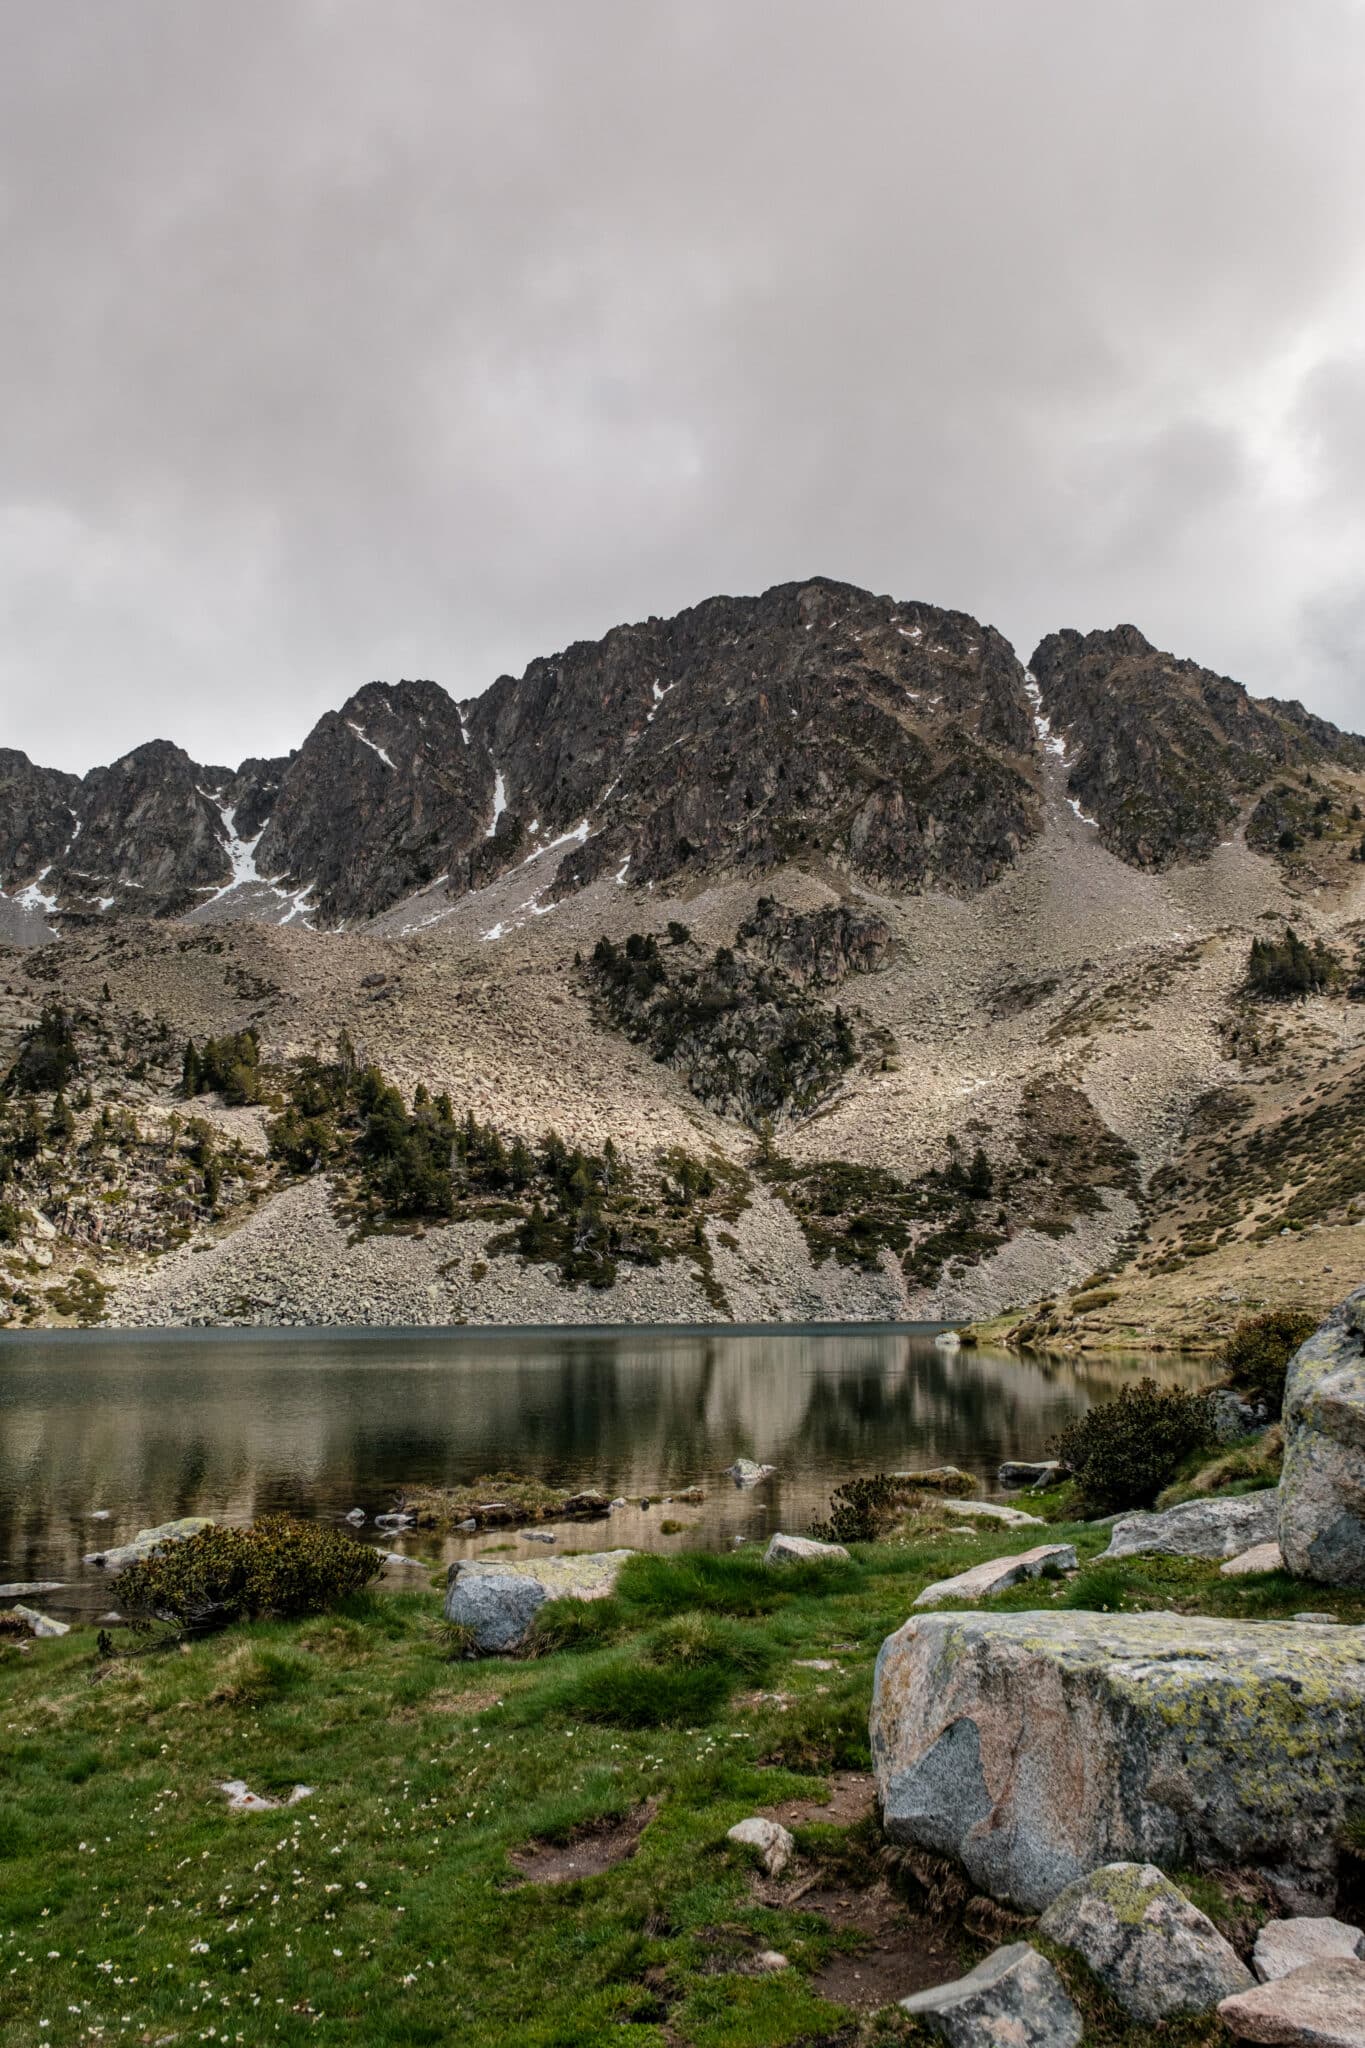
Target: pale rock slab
1015, 1999
1200, 1528
498, 1602
42, 1624
1033, 1747
992, 1511
1285, 1945
1263, 1557
1145, 1941
1322, 1485
147, 1540
775, 1844
1321, 2005
802, 1550
998, 1574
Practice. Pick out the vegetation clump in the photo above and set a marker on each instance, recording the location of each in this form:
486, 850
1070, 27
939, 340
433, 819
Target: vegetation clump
861, 1510
48, 1058
230, 1067
1258, 1354
1281, 969
277, 1568
1125, 1451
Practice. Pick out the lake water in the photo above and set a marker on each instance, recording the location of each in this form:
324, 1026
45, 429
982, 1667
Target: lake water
148, 1426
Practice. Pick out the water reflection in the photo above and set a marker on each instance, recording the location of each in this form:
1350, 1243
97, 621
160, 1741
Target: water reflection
233, 1423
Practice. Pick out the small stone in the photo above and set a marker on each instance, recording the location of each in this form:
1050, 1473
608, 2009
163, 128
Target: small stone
802, 1550
1316, 1620
1285, 1945
999, 1573
1015, 1996
1262, 1557
992, 1511
356, 1517
939, 1479
241, 1799
1036, 1473
415, 1563
770, 1959
468, 1525
540, 1536
774, 1844
1149, 1946
815, 1664
619, 1502
1321, 2005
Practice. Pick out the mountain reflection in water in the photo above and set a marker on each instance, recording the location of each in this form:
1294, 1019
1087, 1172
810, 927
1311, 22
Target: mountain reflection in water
235, 1423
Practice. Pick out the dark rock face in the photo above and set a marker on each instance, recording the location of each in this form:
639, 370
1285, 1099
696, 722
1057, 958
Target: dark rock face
148, 831
818, 946
36, 818
383, 797
814, 722
1162, 751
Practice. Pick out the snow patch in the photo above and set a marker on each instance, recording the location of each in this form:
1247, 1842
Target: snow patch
366, 741
499, 802
35, 897
1051, 742
621, 873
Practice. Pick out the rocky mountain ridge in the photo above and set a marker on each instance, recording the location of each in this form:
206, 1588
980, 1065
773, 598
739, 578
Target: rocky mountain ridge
892, 743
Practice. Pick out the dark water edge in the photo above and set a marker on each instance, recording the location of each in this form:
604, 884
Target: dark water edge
147, 1426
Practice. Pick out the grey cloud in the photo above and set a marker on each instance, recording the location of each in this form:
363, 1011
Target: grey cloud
347, 342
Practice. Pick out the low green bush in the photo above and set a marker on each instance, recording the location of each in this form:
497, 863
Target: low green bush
278, 1567
1259, 1351
861, 1510
1125, 1451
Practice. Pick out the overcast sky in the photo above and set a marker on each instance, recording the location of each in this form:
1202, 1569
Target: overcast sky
343, 340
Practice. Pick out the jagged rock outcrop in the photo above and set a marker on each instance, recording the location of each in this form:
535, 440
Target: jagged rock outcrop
1160, 751
148, 829
383, 797
1032, 1748
821, 947
816, 721
1322, 1486
36, 817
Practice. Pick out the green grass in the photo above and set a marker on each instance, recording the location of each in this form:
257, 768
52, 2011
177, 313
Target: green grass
385, 1910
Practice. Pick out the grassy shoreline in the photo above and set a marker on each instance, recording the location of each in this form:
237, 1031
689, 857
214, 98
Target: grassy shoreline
386, 1907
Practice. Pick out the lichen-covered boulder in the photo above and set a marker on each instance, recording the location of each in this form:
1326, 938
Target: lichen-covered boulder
497, 1603
1211, 1528
1032, 1748
1015, 1999
1145, 1941
1322, 1486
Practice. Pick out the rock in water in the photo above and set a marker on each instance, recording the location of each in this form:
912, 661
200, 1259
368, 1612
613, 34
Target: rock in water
999, 1573
1032, 1748
1015, 1996
802, 1550
1285, 1945
497, 1603
1200, 1528
1157, 1953
1319, 2006
1022, 1472
745, 1472
775, 1845
1322, 1487
147, 1540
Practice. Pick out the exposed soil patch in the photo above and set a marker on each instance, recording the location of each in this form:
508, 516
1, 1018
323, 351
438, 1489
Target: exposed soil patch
852, 1797
900, 1951
588, 1852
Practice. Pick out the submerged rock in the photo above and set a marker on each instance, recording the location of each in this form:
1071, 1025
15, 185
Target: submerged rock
147, 1540
1014, 1997
1032, 1748
1148, 1945
497, 1603
939, 1479
1322, 1486
1200, 1528
745, 1472
999, 1573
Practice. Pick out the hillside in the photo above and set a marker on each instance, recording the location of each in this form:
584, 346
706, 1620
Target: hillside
838, 1001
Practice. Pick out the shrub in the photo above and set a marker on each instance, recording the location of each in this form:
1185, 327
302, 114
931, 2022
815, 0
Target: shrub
277, 1567
1282, 968
860, 1510
1123, 1452
1259, 1351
